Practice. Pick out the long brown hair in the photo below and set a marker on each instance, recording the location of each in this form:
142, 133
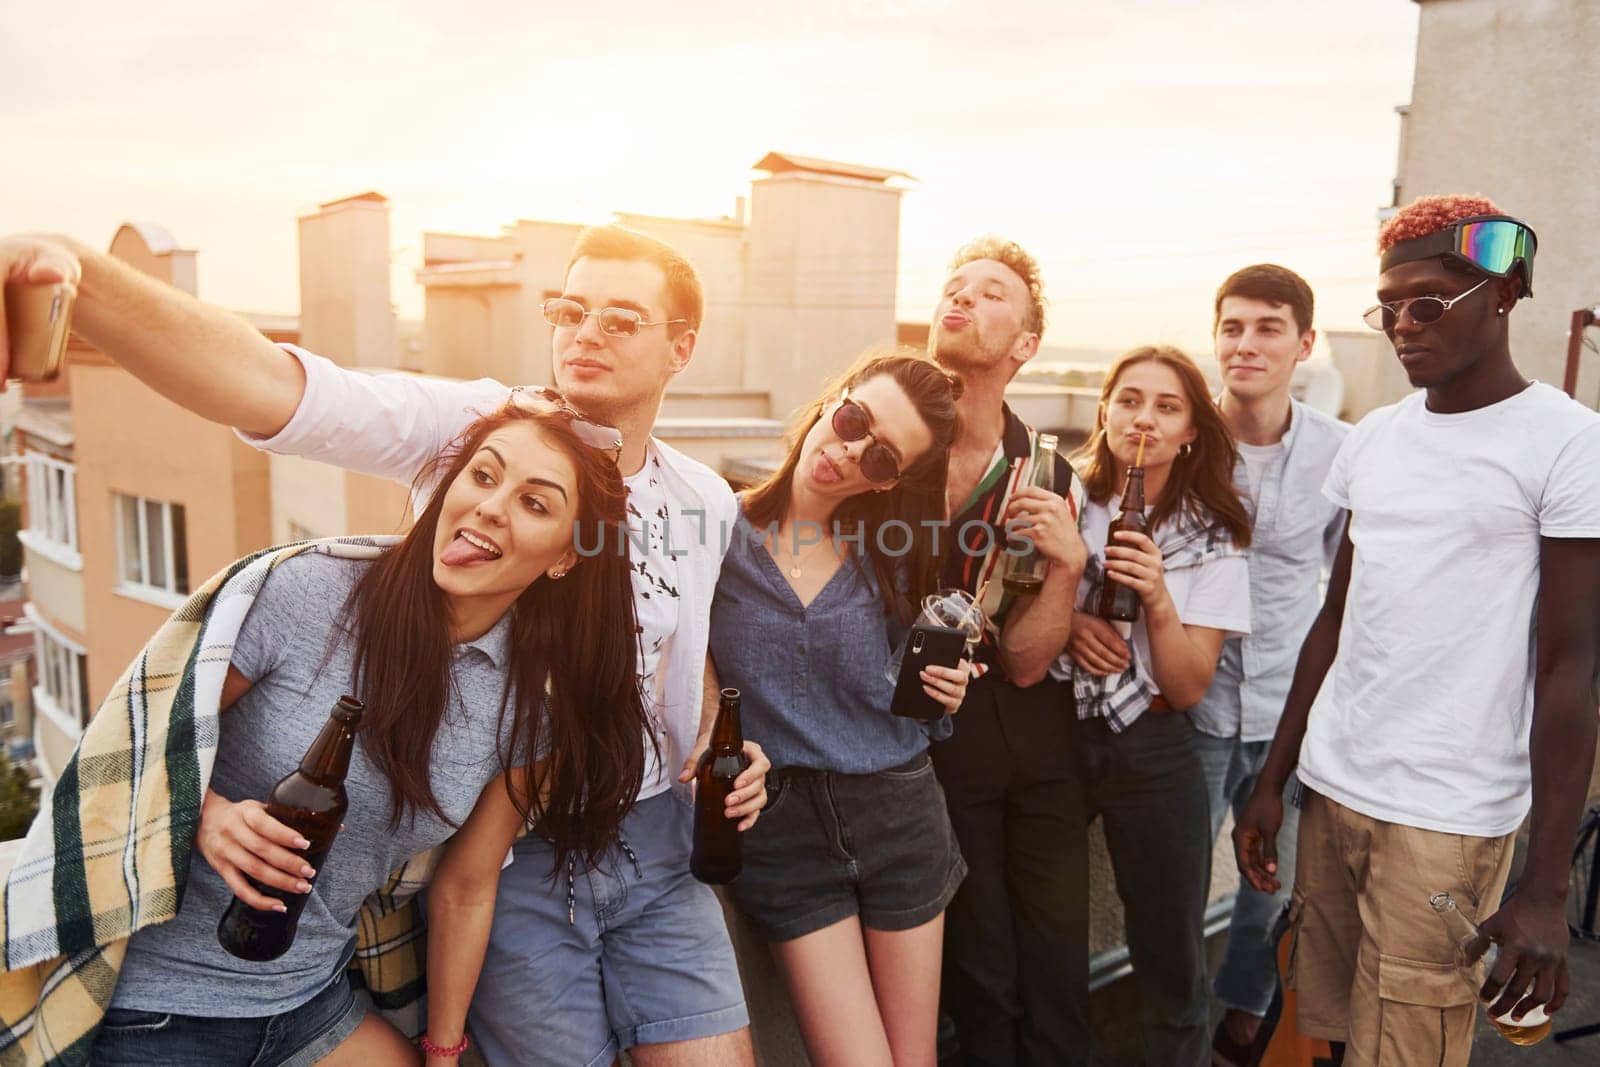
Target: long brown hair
917, 498
1201, 481
573, 660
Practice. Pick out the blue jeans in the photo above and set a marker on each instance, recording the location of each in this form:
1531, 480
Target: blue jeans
638, 954
1148, 787
296, 1038
1249, 972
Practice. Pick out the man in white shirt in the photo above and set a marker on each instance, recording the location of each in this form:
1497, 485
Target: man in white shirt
580, 964
1262, 331
1459, 641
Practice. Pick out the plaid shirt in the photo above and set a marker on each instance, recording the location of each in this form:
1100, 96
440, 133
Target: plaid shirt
109, 854
1185, 540
977, 553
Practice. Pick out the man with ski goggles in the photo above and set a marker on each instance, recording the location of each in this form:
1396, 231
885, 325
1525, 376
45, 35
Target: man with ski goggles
1455, 656
1495, 245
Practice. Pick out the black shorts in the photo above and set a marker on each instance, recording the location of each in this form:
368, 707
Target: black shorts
829, 846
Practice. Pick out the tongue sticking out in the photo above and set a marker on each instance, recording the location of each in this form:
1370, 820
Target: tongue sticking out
460, 552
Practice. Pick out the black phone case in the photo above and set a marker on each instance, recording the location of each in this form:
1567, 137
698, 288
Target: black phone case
926, 645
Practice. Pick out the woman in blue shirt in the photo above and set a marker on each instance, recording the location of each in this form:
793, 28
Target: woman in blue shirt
851, 866
500, 689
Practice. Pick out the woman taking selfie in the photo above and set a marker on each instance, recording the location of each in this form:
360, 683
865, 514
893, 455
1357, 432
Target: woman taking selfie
853, 862
452, 638
1142, 771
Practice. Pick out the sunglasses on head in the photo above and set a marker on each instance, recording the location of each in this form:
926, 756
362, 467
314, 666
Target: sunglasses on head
546, 400
1424, 310
618, 322
851, 423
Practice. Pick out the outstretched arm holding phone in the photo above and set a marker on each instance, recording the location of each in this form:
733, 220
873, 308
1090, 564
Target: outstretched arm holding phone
198, 356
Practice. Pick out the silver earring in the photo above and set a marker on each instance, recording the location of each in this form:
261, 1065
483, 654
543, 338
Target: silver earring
1502, 310
1184, 449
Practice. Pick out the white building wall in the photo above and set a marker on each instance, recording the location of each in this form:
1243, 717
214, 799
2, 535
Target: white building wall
1506, 102
820, 269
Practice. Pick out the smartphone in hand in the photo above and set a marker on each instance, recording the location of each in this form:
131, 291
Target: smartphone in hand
925, 646
38, 320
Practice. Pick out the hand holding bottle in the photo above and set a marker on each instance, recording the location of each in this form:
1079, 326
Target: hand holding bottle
1045, 521
1096, 646
1532, 939
241, 841
1133, 560
749, 794
1522, 1018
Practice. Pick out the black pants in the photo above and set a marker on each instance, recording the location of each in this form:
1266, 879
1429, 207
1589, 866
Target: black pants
1148, 785
1016, 948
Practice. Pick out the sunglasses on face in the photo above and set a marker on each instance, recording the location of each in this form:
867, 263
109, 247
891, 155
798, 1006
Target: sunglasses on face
618, 322
594, 434
1424, 310
851, 424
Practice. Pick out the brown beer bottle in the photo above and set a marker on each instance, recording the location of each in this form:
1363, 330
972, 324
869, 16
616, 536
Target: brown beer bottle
1118, 602
716, 858
311, 801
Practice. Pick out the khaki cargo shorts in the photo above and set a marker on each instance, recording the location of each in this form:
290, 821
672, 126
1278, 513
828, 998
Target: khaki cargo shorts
1372, 964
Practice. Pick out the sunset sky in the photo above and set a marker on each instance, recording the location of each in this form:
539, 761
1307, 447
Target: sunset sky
1141, 149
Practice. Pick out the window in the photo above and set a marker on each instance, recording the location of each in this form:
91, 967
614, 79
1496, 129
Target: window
52, 509
63, 689
152, 548
8, 714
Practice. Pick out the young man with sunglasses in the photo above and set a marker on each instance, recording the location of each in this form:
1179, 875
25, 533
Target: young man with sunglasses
1261, 331
1456, 655
1016, 956
581, 963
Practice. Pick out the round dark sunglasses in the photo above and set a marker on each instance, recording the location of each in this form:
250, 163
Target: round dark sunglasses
851, 423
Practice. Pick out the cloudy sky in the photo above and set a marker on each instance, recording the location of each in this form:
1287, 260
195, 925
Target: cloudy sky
1142, 149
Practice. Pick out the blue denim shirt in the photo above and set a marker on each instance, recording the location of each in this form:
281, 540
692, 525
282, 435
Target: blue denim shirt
811, 677
1296, 536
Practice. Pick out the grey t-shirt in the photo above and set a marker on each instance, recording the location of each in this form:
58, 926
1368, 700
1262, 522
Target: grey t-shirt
283, 647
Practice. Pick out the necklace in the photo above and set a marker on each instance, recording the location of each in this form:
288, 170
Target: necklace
797, 558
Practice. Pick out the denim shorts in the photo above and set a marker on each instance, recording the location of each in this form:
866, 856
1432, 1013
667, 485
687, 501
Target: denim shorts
584, 961
296, 1038
829, 846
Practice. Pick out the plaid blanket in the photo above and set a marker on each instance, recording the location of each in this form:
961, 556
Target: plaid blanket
109, 853
1185, 540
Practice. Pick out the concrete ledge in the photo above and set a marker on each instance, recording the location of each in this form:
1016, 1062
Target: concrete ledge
727, 426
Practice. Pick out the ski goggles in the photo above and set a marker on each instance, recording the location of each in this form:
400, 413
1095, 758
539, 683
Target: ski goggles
1494, 244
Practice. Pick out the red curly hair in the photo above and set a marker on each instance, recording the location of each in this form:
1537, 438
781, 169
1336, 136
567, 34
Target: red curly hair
1430, 214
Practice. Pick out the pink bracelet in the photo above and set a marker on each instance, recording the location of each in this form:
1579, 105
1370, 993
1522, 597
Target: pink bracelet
439, 1050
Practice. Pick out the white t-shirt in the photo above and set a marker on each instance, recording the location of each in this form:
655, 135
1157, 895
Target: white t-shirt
1216, 593
1258, 459
655, 600
1424, 717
